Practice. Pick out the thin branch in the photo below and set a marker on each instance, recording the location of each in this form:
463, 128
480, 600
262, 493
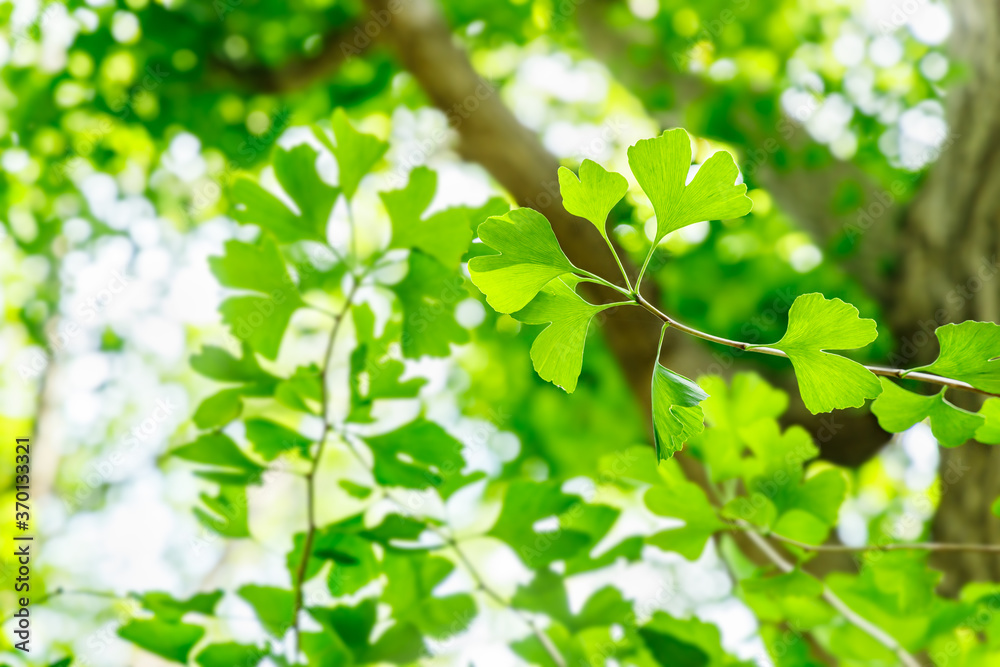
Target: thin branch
339, 44
900, 373
852, 617
894, 546
544, 639
60, 591
311, 475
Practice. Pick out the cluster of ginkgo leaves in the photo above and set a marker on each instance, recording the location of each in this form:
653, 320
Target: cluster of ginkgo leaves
534, 281
366, 588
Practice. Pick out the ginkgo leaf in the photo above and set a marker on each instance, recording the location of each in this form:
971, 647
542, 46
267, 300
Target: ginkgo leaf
527, 503
828, 381
557, 352
275, 607
686, 501
259, 319
661, 165
314, 198
970, 352
355, 152
593, 194
428, 295
419, 455
989, 432
898, 409
530, 258
172, 641
677, 413
444, 235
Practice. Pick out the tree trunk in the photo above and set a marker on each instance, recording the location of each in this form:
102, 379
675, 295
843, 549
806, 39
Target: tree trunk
948, 273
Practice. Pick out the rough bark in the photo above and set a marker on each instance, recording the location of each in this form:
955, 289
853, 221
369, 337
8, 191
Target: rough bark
948, 273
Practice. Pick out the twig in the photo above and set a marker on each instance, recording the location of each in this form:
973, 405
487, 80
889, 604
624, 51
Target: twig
852, 617
900, 373
546, 642
895, 546
311, 475
60, 591
543, 638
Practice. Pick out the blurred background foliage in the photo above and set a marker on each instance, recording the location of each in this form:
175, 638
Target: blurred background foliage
123, 126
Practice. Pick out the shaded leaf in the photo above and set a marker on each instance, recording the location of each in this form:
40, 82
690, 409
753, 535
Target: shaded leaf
429, 294
295, 170
274, 607
172, 641
677, 414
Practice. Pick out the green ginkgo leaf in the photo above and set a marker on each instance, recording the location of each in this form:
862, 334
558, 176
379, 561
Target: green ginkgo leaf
661, 166
970, 352
530, 258
296, 172
593, 194
828, 381
557, 352
444, 235
355, 152
172, 641
428, 295
683, 500
989, 432
677, 413
898, 409
259, 319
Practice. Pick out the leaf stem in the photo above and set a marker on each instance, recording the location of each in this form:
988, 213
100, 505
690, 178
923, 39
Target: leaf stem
594, 278
642, 271
900, 373
618, 261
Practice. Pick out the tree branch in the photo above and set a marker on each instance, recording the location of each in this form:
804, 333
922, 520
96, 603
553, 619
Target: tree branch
900, 373
852, 617
339, 45
311, 475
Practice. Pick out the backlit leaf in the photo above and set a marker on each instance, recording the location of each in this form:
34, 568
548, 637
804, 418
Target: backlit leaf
661, 167
557, 352
530, 257
898, 409
593, 194
970, 352
828, 381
